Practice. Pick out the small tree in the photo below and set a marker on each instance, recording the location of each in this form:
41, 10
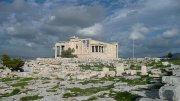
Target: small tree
6, 61
14, 64
68, 53
169, 55
17, 63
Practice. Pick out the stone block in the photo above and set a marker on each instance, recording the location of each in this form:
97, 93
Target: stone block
172, 80
144, 70
170, 93
176, 72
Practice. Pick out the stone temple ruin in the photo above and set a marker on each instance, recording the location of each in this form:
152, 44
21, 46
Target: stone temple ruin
88, 48
71, 68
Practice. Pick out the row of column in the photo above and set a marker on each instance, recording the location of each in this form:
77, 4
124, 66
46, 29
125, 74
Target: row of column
57, 51
97, 49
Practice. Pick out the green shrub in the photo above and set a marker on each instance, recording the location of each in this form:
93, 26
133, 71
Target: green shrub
11, 63
29, 98
8, 79
83, 92
124, 96
173, 61
51, 90
19, 84
68, 53
27, 79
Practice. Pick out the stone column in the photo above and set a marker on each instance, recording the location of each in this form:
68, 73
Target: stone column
117, 51
81, 48
92, 49
144, 70
119, 69
99, 48
55, 51
60, 51
102, 49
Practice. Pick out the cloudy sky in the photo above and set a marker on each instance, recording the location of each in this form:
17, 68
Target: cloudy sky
31, 27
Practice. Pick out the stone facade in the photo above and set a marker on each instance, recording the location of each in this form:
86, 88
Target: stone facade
144, 70
88, 48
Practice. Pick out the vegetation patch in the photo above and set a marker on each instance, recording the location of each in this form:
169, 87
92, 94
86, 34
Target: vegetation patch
27, 90
8, 79
30, 98
56, 86
123, 96
19, 84
101, 80
84, 92
135, 67
53, 89
173, 61
68, 53
139, 81
12, 63
27, 79
14, 92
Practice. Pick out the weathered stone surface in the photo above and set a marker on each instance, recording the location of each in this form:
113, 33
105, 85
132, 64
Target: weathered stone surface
172, 80
149, 99
1, 66
166, 93
170, 93
5, 72
131, 72
175, 66
119, 69
177, 93
165, 63
144, 70
176, 72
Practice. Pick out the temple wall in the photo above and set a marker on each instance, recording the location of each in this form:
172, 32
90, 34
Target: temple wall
88, 48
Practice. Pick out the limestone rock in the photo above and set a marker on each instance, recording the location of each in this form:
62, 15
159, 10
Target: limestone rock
144, 70
5, 72
172, 80
176, 72
149, 99
170, 93
166, 93
119, 69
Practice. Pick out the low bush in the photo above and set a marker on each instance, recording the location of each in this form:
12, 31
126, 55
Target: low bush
14, 92
30, 98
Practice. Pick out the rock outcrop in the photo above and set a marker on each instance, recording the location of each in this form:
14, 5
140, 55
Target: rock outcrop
170, 91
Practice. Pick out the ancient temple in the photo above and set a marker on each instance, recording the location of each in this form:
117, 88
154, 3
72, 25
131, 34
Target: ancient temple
88, 48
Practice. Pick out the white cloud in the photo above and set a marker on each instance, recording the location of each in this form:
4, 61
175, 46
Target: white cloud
171, 33
11, 30
91, 31
138, 32
120, 15
29, 44
52, 18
